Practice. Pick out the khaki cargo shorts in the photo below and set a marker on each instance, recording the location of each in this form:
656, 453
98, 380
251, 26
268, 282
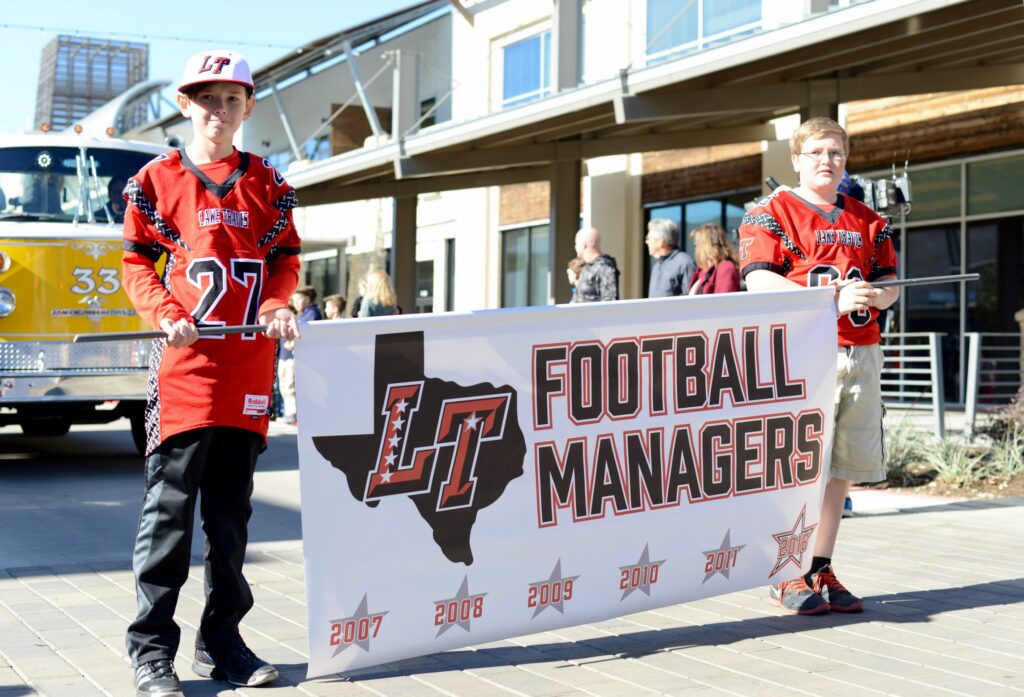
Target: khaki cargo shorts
858, 450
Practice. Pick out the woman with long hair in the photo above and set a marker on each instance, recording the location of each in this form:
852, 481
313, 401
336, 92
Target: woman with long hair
717, 261
380, 296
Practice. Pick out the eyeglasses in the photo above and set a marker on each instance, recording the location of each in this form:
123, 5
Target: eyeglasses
833, 155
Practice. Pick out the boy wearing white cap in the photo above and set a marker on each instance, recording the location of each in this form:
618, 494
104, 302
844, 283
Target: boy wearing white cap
222, 220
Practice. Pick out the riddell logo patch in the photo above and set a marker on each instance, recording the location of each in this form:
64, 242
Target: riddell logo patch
256, 404
451, 449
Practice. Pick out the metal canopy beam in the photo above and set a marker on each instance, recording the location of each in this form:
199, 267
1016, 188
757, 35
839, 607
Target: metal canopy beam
565, 151
670, 105
319, 195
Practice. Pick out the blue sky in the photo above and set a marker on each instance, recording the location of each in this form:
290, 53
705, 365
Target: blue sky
261, 30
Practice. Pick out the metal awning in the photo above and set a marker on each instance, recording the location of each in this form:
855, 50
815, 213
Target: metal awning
724, 94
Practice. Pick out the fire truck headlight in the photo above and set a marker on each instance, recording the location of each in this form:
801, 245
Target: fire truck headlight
7, 303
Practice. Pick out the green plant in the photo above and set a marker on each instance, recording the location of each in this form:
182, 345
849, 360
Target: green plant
905, 453
956, 464
1006, 457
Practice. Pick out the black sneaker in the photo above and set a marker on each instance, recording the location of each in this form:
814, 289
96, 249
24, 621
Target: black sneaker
236, 665
157, 679
797, 597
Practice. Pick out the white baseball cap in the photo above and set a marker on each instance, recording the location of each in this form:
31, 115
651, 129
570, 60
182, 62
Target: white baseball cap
216, 66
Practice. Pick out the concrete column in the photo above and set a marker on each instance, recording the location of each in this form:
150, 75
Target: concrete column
565, 44
405, 94
403, 251
565, 223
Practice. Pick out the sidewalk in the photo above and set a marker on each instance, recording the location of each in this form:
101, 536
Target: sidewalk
943, 586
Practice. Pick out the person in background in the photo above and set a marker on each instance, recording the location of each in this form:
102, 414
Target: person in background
334, 306
673, 268
379, 299
599, 278
303, 301
717, 261
357, 304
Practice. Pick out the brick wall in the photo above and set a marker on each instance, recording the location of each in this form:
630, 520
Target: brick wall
521, 203
709, 178
930, 126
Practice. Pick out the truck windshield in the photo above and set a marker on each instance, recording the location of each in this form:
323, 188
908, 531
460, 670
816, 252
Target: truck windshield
42, 183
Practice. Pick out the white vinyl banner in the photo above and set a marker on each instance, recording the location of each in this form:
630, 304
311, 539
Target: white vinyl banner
472, 477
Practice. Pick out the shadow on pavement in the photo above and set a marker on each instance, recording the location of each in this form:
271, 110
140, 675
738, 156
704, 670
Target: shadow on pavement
912, 607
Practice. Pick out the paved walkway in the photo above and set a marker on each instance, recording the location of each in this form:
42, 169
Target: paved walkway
943, 584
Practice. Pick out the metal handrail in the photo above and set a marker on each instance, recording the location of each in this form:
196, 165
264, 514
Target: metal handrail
917, 387
992, 387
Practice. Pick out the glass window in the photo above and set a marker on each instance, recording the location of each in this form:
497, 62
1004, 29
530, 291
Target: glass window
935, 193
995, 185
935, 251
425, 286
670, 23
723, 15
526, 267
43, 183
995, 249
527, 70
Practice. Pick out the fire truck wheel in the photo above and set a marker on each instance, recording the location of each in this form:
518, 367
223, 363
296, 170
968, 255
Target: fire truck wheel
49, 427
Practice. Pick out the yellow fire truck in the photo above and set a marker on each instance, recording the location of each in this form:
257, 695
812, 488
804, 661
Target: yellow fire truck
60, 275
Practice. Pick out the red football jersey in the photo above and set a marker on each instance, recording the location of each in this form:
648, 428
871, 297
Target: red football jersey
231, 255
785, 234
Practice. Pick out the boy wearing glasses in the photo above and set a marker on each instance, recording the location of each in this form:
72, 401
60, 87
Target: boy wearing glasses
814, 236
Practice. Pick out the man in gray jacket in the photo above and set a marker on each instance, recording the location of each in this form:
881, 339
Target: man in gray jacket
599, 277
673, 267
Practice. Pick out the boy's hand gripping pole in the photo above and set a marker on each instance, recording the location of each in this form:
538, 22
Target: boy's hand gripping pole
155, 334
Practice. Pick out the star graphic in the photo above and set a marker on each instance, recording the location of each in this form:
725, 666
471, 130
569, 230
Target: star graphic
551, 581
361, 613
386, 477
725, 547
401, 405
460, 595
472, 421
644, 563
393, 442
398, 422
390, 459
798, 537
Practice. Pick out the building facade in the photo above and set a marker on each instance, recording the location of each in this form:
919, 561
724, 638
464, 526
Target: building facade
78, 74
472, 137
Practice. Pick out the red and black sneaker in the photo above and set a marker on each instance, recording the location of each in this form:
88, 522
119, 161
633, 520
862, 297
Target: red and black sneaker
797, 597
825, 583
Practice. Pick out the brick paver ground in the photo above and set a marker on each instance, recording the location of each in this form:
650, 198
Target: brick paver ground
944, 597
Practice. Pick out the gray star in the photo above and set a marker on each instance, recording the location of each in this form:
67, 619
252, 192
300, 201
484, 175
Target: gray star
643, 563
460, 595
555, 578
727, 548
373, 620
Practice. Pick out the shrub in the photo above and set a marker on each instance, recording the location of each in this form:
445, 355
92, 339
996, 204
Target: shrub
1006, 457
905, 453
1006, 419
956, 464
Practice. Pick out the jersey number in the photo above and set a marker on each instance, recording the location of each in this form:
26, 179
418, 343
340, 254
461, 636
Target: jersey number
209, 275
828, 275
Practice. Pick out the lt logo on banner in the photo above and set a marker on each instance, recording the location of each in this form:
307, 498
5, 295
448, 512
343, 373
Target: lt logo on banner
452, 449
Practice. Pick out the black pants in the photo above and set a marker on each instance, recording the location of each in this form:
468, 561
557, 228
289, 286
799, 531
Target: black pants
218, 463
